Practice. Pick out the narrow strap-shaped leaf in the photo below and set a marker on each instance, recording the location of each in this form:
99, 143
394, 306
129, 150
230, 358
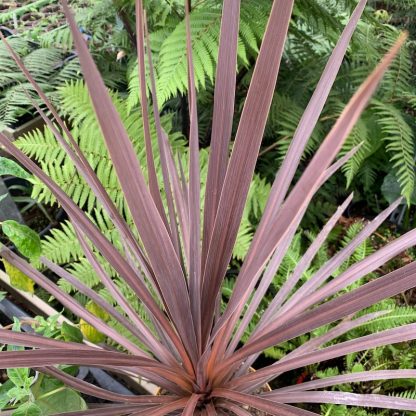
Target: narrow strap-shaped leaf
220, 344
222, 339
103, 245
210, 409
92, 390
102, 359
244, 156
317, 342
101, 194
108, 410
194, 191
140, 329
351, 275
164, 150
222, 117
334, 262
191, 405
265, 405
54, 356
387, 337
304, 263
184, 183
311, 115
81, 163
342, 328
275, 262
154, 235
259, 293
272, 229
340, 162
38, 341
389, 285
294, 277
232, 407
85, 290
83, 166
351, 399
181, 198
68, 301
151, 170
164, 409
358, 377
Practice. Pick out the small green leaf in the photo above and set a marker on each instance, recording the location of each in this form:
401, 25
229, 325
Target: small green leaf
18, 394
357, 368
17, 325
91, 333
18, 279
26, 240
4, 397
18, 376
60, 401
71, 333
28, 409
10, 167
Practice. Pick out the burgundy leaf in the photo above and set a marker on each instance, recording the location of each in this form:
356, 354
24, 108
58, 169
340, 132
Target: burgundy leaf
244, 156
152, 230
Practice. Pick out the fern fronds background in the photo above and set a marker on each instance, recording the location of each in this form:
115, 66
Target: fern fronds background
387, 141
387, 128
48, 67
169, 47
315, 27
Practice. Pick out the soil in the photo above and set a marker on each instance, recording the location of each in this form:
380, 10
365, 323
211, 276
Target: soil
49, 17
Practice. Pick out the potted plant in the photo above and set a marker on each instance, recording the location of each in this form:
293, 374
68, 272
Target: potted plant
191, 348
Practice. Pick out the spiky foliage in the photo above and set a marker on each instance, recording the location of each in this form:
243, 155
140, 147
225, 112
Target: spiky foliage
62, 245
175, 262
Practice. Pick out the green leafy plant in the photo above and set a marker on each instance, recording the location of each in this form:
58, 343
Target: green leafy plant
38, 395
175, 262
28, 244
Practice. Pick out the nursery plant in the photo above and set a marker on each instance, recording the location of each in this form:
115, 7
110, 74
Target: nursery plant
175, 262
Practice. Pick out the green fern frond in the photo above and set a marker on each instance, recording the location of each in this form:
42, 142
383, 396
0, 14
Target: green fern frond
399, 139
62, 245
59, 38
205, 28
358, 136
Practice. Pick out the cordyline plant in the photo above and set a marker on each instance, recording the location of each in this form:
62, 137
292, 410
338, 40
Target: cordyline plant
177, 265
